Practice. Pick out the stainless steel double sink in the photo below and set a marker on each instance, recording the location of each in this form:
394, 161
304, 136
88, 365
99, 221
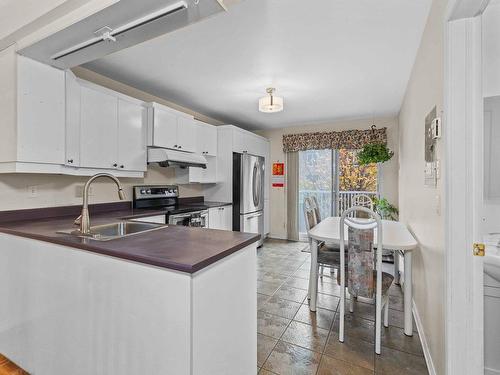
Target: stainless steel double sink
120, 229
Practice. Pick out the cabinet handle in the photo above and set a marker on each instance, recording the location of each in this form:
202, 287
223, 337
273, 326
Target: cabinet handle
115, 165
175, 146
180, 146
70, 161
122, 166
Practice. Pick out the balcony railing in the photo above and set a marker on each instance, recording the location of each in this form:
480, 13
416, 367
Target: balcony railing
344, 200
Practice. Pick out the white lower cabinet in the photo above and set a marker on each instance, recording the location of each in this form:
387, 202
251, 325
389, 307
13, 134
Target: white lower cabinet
220, 218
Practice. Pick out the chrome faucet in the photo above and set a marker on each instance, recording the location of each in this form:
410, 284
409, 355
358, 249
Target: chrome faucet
84, 219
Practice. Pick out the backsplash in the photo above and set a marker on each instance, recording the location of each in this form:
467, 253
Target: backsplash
20, 191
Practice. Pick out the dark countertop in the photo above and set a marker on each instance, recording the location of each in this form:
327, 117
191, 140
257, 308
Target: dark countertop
172, 247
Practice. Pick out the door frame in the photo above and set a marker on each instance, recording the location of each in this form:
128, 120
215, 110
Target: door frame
463, 186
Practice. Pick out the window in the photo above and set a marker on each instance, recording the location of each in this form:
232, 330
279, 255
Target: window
334, 178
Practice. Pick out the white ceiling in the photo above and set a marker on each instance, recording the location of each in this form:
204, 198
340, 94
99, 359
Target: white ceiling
329, 59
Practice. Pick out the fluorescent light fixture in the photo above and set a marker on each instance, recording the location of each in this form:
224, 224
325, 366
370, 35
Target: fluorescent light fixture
108, 34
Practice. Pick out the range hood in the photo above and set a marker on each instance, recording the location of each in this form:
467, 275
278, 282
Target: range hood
171, 158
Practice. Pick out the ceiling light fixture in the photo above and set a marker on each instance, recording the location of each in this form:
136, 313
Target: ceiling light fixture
270, 103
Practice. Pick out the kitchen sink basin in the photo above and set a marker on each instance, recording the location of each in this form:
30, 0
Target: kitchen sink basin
116, 230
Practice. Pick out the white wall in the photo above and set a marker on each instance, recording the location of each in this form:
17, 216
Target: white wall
389, 170
420, 206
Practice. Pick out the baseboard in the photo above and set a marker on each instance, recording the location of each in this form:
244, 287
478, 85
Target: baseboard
423, 341
276, 237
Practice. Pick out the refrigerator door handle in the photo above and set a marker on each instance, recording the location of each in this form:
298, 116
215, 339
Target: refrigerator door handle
254, 216
254, 185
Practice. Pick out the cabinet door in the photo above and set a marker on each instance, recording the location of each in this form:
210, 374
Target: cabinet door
226, 217
186, 134
164, 128
206, 139
214, 218
40, 112
131, 136
98, 129
73, 96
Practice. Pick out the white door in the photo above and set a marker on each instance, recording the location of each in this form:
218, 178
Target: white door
131, 136
186, 134
164, 128
472, 41
99, 129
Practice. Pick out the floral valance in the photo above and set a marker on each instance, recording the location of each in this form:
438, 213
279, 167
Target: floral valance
347, 139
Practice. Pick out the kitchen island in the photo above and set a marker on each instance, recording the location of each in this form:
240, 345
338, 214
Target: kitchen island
174, 300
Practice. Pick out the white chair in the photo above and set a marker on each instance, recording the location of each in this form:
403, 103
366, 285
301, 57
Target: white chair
362, 200
327, 246
365, 279
327, 257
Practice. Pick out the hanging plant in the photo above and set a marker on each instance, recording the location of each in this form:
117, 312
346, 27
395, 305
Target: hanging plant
385, 209
374, 153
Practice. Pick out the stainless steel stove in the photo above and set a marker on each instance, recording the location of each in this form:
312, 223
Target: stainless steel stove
166, 198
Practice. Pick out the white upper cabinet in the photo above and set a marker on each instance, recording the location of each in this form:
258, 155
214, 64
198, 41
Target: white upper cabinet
206, 139
104, 129
40, 113
162, 126
131, 136
186, 133
171, 129
98, 129
246, 142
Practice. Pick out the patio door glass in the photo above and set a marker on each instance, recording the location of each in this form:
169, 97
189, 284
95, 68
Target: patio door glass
316, 178
334, 178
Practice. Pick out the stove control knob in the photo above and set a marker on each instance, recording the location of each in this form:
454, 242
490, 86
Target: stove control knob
143, 191
148, 191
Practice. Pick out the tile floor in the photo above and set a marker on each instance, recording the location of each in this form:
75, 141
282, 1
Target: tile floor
294, 341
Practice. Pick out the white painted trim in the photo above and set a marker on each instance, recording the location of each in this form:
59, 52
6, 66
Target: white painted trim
423, 341
462, 190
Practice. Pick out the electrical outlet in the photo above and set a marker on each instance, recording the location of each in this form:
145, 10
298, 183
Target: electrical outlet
33, 191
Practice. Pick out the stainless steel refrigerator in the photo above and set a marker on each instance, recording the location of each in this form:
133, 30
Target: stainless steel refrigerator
248, 194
